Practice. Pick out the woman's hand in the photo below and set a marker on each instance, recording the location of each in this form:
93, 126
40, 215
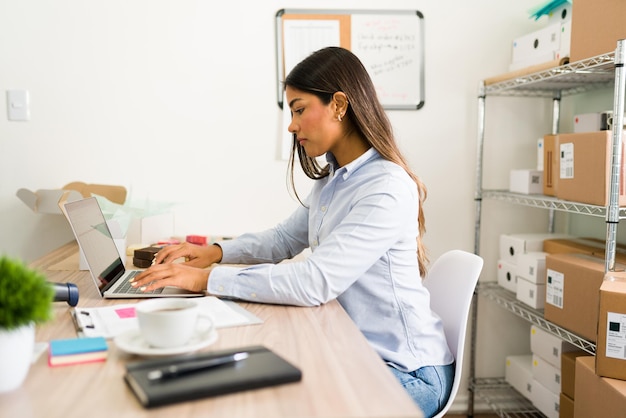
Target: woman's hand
190, 275
195, 255
172, 274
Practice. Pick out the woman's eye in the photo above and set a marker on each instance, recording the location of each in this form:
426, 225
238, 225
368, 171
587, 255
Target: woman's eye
298, 111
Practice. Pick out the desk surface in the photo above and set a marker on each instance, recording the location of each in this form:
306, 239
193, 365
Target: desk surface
341, 375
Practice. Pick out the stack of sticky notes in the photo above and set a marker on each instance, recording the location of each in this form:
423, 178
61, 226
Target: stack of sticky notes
144, 257
77, 350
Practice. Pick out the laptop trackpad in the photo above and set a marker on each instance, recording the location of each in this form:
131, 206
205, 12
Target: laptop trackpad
171, 290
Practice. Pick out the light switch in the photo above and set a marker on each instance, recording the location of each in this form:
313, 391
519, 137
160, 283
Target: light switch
18, 106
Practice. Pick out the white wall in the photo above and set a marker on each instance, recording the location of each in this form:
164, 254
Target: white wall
176, 101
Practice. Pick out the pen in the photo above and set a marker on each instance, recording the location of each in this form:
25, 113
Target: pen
188, 368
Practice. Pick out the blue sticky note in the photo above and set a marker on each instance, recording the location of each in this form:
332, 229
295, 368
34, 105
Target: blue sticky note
77, 345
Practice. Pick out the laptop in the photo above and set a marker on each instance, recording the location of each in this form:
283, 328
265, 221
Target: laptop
105, 265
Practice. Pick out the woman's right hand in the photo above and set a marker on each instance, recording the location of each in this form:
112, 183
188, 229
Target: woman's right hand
194, 255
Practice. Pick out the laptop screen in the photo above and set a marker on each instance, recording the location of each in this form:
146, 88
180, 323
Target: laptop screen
94, 238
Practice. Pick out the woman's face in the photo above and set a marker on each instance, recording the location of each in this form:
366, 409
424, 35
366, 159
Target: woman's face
315, 124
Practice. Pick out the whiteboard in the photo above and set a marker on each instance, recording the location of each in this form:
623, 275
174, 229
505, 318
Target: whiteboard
390, 43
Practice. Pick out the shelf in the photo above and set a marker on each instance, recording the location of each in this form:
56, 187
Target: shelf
548, 202
573, 78
507, 300
503, 399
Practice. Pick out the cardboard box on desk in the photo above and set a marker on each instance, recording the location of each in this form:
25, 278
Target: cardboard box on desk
150, 229
566, 406
573, 292
611, 346
596, 27
47, 200
585, 168
597, 396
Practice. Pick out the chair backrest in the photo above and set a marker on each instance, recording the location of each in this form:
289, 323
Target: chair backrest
451, 281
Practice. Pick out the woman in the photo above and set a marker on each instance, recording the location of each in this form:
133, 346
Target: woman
363, 222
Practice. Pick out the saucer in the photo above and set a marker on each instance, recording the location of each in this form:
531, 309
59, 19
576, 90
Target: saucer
133, 342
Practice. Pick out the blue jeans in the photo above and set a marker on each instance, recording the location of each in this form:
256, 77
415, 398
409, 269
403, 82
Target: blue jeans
429, 386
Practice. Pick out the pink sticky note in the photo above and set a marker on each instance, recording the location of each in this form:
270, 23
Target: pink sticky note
125, 313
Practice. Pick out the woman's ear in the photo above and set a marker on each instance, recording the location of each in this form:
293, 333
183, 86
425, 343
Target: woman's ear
340, 101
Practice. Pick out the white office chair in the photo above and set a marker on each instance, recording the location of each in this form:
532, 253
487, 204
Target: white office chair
451, 281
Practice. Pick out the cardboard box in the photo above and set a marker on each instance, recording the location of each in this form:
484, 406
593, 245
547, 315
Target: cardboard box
597, 396
150, 229
547, 374
573, 292
568, 371
550, 164
566, 406
506, 275
548, 346
532, 294
518, 373
574, 245
47, 200
512, 245
531, 266
596, 27
585, 168
544, 400
526, 181
611, 346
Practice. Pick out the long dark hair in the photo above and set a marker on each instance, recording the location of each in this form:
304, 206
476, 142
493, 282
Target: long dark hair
335, 69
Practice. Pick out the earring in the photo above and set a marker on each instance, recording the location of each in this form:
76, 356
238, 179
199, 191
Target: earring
339, 117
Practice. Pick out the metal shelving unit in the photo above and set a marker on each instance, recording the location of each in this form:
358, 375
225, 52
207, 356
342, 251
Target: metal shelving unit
579, 77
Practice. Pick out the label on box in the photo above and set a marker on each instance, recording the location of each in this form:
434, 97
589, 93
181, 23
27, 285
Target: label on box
616, 335
554, 288
567, 161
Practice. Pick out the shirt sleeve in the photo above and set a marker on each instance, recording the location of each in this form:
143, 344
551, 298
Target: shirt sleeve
362, 237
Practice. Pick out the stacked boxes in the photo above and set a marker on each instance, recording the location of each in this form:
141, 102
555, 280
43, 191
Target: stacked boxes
547, 351
521, 266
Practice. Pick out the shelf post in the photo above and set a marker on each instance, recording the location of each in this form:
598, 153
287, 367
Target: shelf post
612, 213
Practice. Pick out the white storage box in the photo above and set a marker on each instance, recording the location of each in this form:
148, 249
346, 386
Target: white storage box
518, 373
531, 266
506, 275
532, 294
512, 245
547, 374
544, 400
150, 229
526, 181
536, 47
549, 347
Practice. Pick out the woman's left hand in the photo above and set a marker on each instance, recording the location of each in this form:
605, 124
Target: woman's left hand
172, 274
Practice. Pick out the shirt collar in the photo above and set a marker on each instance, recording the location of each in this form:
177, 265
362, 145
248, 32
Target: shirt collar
352, 166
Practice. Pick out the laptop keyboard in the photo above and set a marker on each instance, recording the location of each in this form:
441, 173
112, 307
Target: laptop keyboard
127, 288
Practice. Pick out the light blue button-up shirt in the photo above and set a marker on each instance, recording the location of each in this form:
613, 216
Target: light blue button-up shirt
361, 226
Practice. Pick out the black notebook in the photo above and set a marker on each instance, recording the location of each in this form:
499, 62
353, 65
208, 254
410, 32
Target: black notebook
262, 367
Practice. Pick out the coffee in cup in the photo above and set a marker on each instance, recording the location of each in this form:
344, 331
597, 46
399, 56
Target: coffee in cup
170, 322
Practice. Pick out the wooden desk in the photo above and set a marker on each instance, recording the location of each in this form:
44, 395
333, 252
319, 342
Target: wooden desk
341, 375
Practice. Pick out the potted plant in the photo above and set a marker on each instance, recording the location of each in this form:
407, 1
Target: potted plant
26, 299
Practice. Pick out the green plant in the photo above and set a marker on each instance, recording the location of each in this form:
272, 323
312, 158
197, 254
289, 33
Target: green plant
25, 295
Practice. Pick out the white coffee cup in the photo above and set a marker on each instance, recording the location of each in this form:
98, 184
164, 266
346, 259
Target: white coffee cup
170, 322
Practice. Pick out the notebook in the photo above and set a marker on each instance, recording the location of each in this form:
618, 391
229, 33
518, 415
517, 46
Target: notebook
105, 265
261, 368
